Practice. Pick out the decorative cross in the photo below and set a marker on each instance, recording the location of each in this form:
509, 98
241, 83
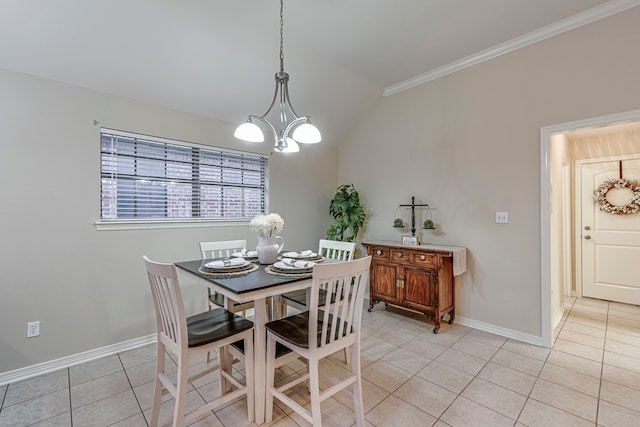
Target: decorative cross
413, 213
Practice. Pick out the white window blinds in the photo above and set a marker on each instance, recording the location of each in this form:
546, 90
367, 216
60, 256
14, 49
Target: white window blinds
148, 178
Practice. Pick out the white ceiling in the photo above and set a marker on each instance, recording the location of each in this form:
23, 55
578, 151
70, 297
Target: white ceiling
218, 58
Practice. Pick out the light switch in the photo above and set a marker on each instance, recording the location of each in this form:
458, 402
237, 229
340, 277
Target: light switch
502, 217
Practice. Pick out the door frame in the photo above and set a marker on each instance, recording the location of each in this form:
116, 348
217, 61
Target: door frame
545, 206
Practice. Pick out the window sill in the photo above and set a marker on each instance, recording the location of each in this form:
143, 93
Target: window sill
166, 224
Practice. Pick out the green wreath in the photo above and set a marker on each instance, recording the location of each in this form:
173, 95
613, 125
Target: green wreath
600, 196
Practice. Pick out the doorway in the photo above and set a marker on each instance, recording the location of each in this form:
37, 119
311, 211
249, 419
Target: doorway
552, 285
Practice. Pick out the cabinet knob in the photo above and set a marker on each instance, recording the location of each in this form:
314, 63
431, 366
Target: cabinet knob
399, 254
422, 257
378, 252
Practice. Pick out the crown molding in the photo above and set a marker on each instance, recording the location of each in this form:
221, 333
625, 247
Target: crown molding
591, 15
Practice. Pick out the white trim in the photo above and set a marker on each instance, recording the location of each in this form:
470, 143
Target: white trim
545, 203
183, 223
588, 16
75, 359
499, 330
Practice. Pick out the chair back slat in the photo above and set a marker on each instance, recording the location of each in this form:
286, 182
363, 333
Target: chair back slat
345, 284
169, 307
332, 249
221, 249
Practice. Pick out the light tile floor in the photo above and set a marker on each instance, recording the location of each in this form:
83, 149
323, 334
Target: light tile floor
412, 377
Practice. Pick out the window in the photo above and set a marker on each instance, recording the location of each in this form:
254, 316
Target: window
147, 178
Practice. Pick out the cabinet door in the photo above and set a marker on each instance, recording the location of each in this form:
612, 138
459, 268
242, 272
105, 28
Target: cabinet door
420, 289
384, 282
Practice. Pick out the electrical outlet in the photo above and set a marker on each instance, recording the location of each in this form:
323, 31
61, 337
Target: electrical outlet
502, 217
33, 329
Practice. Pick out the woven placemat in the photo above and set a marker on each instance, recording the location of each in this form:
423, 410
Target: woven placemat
276, 273
252, 268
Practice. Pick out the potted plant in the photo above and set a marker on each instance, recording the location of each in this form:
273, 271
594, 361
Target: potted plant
398, 223
428, 224
348, 214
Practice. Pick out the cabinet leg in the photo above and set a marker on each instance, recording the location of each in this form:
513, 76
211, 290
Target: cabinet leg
436, 329
451, 317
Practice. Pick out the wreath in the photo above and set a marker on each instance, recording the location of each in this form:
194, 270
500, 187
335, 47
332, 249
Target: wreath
600, 196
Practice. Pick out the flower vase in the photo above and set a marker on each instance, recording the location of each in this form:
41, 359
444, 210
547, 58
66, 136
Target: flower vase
268, 249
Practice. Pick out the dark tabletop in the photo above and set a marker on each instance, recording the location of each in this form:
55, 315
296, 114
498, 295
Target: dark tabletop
255, 280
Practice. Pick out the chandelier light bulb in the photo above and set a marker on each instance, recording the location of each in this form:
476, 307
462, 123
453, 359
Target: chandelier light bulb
250, 132
292, 147
307, 133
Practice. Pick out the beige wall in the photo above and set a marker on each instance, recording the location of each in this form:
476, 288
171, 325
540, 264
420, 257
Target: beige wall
88, 288
469, 145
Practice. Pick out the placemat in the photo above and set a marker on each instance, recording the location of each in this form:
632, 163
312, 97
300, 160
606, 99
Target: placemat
251, 268
275, 273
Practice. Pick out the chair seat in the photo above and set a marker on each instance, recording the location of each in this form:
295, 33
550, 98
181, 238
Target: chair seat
218, 299
295, 329
213, 325
281, 350
300, 297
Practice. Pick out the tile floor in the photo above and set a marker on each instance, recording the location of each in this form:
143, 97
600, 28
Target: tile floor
412, 377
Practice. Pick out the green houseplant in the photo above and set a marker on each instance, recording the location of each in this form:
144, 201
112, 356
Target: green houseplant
348, 214
428, 224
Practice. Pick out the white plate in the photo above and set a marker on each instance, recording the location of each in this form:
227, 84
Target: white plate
297, 265
300, 255
247, 254
232, 263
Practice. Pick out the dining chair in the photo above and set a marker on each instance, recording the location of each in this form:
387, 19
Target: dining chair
318, 333
224, 249
331, 249
188, 337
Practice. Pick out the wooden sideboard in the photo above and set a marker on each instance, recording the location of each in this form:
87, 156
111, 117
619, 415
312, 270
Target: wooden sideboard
420, 278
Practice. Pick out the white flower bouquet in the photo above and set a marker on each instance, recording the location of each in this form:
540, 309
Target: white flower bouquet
267, 225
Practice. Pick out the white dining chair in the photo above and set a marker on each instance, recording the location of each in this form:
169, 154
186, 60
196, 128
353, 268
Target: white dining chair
188, 337
224, 249
330, 249
318, 333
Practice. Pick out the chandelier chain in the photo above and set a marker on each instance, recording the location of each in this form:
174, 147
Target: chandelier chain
281, 36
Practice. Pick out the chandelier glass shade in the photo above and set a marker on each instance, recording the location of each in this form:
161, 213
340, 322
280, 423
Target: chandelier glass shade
293, 128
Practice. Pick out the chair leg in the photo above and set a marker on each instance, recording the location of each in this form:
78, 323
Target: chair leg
157, 390
314, 388
271, 363
347, 355
249, 372
357, 386
181, 394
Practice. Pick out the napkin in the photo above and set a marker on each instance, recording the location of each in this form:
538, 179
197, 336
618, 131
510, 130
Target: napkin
226, 263
300, 254
297, 263
249, 254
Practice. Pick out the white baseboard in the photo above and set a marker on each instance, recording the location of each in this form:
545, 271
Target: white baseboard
498, 330
75, 359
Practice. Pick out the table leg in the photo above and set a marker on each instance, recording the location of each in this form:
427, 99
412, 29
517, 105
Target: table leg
260, 354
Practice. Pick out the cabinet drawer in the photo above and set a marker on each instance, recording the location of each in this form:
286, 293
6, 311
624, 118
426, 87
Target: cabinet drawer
424, 259
379, 253
400, 255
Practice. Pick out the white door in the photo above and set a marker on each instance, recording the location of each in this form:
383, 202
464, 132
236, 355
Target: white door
610, 243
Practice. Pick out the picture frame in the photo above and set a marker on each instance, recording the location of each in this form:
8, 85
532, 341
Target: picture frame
410, 240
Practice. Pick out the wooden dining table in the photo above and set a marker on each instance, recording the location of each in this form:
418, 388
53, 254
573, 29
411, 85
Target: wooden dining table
257, 286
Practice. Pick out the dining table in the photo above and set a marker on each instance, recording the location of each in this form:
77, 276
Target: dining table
259, 285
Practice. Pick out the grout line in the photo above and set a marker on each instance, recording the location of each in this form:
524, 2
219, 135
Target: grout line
132, 391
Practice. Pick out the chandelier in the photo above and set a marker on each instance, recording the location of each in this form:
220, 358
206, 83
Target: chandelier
299, 129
